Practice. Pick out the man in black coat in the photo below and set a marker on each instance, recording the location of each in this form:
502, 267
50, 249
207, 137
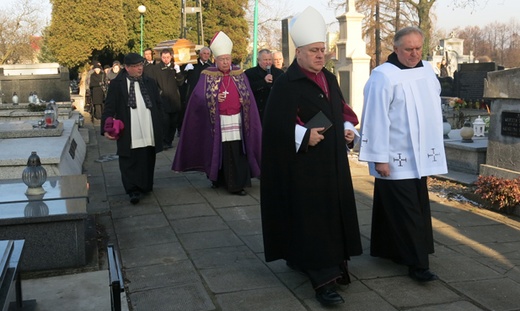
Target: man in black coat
261, 78
134, 99
308, 207
169, 78
149, 62
192, 74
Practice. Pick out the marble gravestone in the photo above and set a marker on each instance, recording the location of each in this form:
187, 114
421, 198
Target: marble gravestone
503, 153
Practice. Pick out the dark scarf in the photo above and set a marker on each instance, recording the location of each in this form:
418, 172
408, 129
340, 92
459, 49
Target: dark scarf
392, 59
132, 102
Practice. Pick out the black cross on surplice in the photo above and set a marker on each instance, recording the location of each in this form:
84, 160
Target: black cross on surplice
400, 160
433, 155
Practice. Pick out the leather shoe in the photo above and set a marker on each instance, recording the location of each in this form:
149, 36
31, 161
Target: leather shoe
135, 197
327, 296
422, 275
241, 192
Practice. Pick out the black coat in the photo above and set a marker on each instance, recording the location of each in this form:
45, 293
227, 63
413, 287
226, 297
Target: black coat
116, 105
261, 89
168, 82
192, 77
307, 200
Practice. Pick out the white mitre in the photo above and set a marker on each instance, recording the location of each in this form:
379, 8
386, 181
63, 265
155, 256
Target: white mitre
308, 27
221, 44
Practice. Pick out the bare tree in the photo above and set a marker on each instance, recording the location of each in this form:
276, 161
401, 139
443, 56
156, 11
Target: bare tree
18, 26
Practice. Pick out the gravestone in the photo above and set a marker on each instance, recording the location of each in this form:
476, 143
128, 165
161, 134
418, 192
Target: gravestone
469, 80
288, 47
503, 153
353, 65
48, 80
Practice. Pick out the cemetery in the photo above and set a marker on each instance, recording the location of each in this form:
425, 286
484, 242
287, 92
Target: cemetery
44, 193
44, 146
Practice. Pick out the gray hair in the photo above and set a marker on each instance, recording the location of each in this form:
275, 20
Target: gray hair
406, 31
262, 52
205, 48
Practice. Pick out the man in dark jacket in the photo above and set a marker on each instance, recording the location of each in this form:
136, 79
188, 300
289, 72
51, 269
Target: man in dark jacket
192, 74
261, 78
169, 78
307, 199
149, 62
135, 100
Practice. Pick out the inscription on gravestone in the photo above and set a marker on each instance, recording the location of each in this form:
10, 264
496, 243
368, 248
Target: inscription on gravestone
510, 124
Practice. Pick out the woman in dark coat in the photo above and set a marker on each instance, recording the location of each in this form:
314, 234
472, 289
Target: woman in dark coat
97, 91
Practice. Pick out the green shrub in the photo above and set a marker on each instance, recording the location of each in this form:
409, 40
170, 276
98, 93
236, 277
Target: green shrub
505, 193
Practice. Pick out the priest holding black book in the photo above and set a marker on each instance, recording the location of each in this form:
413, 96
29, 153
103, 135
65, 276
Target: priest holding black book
308, 207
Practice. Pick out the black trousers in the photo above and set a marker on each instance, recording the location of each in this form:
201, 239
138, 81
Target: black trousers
234, 173
137, 170
170, 123
401, 222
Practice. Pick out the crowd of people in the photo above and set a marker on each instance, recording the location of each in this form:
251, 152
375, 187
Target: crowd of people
235, 125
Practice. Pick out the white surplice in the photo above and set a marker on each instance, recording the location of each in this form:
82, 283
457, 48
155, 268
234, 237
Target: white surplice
402, 122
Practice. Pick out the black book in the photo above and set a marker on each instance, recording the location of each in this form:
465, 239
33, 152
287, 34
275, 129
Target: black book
319, 120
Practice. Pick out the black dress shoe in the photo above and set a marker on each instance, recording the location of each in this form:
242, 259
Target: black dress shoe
135, 197
241, 192
328, 296
422, 275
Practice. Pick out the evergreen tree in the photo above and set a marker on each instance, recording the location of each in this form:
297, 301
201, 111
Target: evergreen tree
82, 29
227, 16
161, 22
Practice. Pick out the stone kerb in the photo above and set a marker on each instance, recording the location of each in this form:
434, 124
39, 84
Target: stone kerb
503, 153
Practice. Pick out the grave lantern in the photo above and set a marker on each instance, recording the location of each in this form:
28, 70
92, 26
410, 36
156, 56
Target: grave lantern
15, 98
446, 127
50, 116
479, 126
466, 132
34, 175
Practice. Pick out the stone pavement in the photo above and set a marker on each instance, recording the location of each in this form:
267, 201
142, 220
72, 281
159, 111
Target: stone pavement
188, 247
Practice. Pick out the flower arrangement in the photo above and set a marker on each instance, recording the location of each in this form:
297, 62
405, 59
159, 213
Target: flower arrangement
457, 103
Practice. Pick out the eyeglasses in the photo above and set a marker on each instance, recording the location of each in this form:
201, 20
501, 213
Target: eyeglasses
136, 65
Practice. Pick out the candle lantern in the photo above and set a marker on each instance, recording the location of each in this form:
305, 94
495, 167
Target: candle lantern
479, 127
15, 98
34, 175
50, 116
446, 127
466, 132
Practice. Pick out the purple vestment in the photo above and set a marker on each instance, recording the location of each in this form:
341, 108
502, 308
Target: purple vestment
200, 146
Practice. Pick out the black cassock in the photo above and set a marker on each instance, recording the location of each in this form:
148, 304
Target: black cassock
308, 207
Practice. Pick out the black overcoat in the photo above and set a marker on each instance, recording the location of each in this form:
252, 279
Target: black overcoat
116, 105
261, 89
169, 83
307, 200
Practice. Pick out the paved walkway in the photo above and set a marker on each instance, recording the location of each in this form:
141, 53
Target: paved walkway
188, 247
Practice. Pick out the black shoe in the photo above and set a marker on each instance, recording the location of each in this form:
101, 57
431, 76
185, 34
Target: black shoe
240, 192
328, 296
135, 197
214, 185
167, 146
422, 275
